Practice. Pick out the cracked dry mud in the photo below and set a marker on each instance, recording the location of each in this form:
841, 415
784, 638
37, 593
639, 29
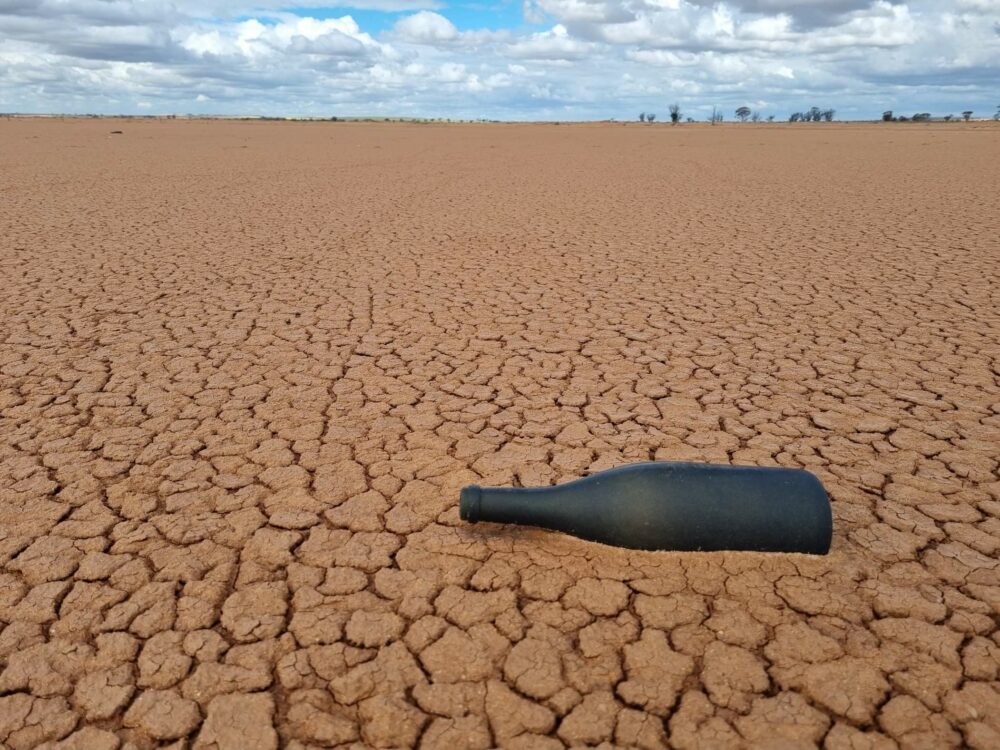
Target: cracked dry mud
247, 367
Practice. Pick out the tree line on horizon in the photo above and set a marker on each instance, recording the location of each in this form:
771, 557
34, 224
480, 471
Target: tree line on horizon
888, 116
743, 114
813, 114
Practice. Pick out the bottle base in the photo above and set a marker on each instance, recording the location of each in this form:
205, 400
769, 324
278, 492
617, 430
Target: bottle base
470, 503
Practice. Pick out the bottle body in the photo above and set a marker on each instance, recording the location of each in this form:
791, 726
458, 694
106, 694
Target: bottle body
672, 506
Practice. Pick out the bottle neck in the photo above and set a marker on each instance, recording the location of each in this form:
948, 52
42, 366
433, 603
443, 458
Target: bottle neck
523, 505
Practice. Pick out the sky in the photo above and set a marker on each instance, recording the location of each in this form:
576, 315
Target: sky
499, 59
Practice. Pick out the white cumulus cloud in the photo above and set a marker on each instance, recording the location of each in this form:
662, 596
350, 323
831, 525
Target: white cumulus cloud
570, 58
426, 27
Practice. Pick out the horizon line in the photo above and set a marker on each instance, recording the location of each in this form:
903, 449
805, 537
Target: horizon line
479, 120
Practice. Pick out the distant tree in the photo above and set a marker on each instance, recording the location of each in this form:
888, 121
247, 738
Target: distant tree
887, 116
903, 118
815, 114
650, 117
689, 119
716, 116
967, 114
642, 117
947, 118
921, 117
770, 118
755, 117
795, 117
996, 116
675, 113
743, 113
828, 115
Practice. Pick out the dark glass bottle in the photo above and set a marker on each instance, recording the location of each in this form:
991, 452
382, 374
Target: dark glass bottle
672, 506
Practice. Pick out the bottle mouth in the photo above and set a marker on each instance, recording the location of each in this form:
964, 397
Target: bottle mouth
470, 502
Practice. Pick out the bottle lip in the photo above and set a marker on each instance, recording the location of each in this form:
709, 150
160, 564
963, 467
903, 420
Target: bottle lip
470, 503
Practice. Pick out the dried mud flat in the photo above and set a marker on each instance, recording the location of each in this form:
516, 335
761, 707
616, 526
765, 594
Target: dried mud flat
246, 367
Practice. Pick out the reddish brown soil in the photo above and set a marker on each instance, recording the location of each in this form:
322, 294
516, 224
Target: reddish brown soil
246, 367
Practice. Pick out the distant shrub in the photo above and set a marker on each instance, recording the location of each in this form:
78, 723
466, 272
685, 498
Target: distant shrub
813, 114
675, 113
650, 117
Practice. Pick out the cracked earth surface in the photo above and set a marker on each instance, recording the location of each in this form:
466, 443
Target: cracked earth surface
246, 368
